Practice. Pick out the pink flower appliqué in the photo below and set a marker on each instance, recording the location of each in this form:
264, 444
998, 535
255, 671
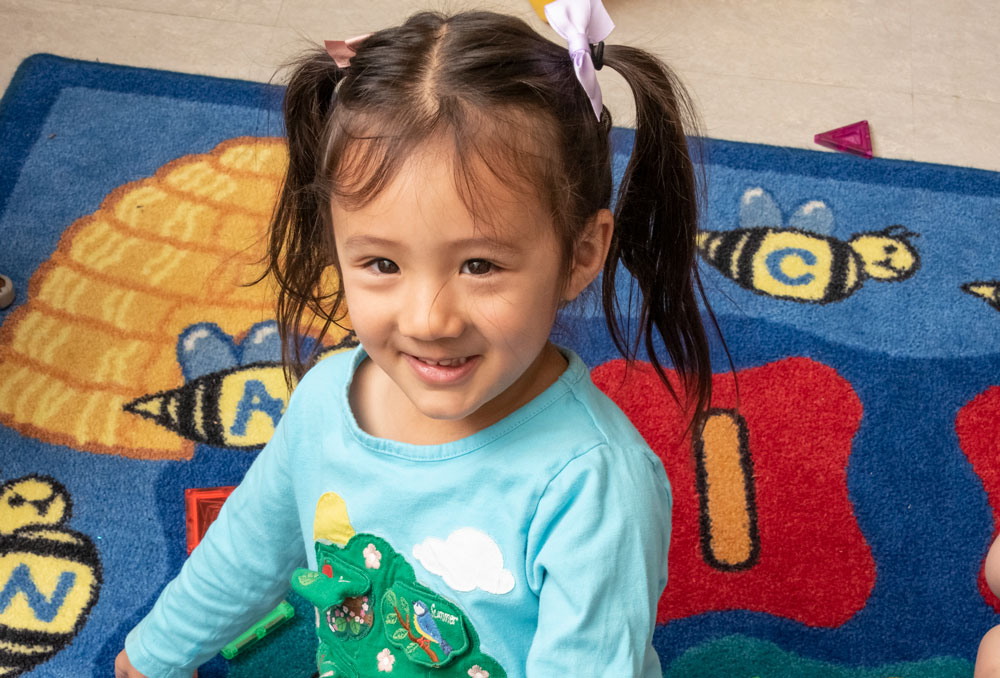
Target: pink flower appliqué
372, 557
385, 660
478, 672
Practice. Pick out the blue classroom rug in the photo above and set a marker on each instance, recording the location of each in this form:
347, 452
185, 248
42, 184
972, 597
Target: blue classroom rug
832, 522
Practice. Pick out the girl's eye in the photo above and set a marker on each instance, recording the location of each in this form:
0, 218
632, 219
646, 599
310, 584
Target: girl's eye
477, 267
384, 266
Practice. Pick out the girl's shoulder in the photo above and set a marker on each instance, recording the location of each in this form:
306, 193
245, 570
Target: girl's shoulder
335, 365
603, 415
586, 421
325, 382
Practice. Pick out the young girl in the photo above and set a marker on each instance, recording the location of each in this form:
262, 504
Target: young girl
454, 494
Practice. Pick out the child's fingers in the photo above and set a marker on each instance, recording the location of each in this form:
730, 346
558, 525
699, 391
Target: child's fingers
988, 658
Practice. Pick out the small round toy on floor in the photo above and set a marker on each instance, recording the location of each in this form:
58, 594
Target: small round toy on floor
6, 292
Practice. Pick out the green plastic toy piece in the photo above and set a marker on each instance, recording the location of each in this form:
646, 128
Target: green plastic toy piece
276, 618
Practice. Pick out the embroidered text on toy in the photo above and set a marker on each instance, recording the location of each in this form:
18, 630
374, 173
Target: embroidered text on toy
443, 616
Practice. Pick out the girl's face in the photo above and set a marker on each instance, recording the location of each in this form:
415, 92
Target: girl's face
456, 315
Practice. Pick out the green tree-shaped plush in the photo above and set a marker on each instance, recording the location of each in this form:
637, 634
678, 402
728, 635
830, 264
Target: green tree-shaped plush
373, 617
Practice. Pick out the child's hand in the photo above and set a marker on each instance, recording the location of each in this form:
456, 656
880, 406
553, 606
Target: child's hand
124, 668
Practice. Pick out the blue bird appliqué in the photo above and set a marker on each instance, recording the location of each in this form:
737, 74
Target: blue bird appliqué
425, 626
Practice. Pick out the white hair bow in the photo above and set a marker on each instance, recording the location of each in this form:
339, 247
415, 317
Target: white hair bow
581, 23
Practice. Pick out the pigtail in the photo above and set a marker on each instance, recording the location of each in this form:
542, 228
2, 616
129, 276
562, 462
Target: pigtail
656, 226
300, 243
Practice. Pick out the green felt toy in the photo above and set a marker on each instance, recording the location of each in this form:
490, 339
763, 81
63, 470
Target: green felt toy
373, 617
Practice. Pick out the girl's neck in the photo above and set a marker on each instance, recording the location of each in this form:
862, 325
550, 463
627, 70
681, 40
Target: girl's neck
383, 410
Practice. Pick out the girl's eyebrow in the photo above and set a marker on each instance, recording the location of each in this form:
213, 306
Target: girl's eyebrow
368, 241
362, 241
491, 244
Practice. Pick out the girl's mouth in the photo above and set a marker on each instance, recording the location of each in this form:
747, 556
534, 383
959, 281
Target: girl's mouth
442, 371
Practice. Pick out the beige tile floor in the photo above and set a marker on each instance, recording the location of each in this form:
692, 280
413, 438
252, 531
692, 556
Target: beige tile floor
924, 73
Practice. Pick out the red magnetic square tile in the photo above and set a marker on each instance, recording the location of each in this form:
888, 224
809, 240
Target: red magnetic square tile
202, 506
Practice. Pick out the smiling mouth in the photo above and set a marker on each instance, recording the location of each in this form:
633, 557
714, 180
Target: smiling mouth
453, 362
443, 372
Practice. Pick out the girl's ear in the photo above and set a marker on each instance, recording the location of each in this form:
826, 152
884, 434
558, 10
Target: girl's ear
589, 253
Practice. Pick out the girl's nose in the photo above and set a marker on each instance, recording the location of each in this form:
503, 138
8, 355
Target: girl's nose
430, 314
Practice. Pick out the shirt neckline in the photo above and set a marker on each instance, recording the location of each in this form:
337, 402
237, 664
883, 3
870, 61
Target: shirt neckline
575, 370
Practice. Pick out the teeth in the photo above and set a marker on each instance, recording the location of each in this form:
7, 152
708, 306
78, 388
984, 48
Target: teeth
455, 362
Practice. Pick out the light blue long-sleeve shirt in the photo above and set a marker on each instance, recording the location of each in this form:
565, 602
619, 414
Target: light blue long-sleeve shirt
548, 529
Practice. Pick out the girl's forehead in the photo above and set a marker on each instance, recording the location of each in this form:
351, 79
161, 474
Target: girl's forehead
428, 190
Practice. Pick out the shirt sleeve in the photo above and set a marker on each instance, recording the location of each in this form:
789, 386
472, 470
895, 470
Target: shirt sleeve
597, 554
238, 573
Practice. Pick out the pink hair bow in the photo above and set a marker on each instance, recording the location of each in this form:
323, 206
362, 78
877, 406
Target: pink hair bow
343, 50
580, 23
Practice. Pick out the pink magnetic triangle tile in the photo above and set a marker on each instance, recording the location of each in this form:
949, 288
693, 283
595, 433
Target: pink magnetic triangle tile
854, 138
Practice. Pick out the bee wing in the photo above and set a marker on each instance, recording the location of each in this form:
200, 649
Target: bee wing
262, 344
759, 208
813, 215
203, 348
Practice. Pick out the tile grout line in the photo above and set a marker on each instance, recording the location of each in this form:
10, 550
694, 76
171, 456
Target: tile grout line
906, 90
795, 82
146, 12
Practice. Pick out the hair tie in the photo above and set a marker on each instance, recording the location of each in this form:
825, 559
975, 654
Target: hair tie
343, 50
597, 54
582, 23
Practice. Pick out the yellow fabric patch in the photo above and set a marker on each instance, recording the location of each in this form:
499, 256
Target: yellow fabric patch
332, 522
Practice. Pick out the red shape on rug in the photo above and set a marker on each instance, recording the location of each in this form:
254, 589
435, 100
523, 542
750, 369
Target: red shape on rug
202, 506
855, 139
762, 520
976, 426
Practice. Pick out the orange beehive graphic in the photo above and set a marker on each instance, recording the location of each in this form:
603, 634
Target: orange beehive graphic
101, 326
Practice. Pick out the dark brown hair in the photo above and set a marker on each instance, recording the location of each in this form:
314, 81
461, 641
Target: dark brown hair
505, 95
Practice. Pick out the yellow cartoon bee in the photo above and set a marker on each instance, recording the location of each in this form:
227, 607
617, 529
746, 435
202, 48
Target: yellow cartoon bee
791, 262
50, 575
236, 408
234, 395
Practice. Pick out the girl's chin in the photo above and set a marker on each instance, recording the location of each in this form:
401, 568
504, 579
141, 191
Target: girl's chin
444, 412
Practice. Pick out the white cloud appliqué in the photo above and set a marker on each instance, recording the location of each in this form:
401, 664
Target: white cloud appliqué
468, 559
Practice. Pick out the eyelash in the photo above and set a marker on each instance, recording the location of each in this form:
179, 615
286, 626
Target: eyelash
374, 266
